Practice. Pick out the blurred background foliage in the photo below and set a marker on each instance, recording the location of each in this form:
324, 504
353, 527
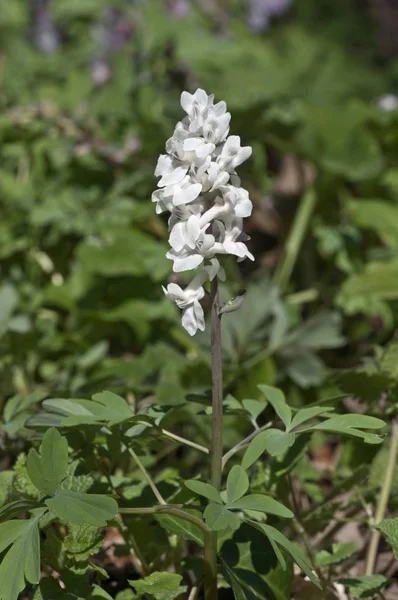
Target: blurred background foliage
89, 94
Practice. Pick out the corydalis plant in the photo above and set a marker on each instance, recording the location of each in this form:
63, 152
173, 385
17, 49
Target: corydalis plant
200, 188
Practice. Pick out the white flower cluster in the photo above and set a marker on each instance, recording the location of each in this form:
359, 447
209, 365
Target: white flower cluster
198, 185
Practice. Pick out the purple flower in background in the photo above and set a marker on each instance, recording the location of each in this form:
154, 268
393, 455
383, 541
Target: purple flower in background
262, 11
44, 33
178, 8
111, 33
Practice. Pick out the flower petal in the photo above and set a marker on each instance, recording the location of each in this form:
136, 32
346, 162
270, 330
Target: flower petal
187, 194
186, 263
173, 177
178, 236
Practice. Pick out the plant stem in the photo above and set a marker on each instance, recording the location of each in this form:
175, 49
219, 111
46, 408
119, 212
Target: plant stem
243, 443
216, 448
178, 438
148, 478
294, 241
169, 510
383, 499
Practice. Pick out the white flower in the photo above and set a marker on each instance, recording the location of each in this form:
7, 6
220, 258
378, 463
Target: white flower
231, 237
170, 170
188, 301
190, 244
232, 154
388, 102
198, 185
238, 198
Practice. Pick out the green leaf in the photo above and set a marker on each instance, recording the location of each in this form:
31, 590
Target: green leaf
294, 550
21, 562
254, 407
273, 441
181, 527
105, 407
78, 507
389, 360
261, 503
305, 414
389, 528
204, 489
48, 469
250, 566
366, 586
218, 517
160, 585
349, 425
277, 399
15, 508
339, 553
8, 302
237, 483
378, 215
378, 281
125, 252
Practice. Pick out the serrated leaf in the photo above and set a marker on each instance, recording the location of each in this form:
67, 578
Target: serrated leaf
389, 360
204, 489
389, 528
237, 483
277, 399
82, 541
273, 441
366, 586
48, 469
160, 585
339, 553
78, 507
261, 503
218, 517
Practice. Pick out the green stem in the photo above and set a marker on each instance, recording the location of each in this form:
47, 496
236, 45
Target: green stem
181, 440
169, 510
216, 448
295, 239
243, 444
383, 500
148, 478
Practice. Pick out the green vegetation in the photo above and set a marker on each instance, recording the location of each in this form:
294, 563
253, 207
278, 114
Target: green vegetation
105, 400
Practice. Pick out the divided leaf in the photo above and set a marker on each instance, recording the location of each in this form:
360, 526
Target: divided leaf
204, 489
277, 399
218, 517
21, 563
261, 503
49, 468
78, 507
273, 441
162, 586
237, 483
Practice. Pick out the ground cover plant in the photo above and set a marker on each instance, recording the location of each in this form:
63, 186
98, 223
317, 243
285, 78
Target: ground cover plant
143, 454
